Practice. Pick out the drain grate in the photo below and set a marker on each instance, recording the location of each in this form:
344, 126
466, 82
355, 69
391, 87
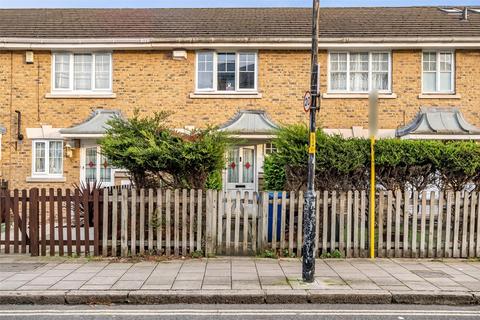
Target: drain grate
431, 274
19, 267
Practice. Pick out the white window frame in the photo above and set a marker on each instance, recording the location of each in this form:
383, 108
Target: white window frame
388, 91
70, 88
45, 173
437, 72
237, 73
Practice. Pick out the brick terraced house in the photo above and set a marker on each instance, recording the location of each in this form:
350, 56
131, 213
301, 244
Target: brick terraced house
65, 72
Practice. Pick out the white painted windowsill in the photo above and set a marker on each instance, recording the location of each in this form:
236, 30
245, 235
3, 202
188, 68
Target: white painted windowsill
439, 96
356, 96
46, 179
219, 95
72, 95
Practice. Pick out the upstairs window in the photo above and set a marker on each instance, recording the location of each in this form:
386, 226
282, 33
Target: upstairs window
226, 72
438, 74
359, 72
82, 72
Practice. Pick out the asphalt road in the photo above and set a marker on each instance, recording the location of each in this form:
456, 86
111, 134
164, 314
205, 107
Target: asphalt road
240, 312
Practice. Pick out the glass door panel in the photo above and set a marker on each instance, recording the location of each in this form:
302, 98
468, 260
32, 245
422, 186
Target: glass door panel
90, 164
248, 166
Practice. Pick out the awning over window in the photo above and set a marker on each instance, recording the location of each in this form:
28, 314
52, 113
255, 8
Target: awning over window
439, 123
250, 124
93, 127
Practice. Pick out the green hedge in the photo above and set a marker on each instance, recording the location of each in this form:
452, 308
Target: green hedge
344, 164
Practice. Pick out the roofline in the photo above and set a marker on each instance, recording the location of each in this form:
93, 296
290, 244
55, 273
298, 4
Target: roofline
299, 43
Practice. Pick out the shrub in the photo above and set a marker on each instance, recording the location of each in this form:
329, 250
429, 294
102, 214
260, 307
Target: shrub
157, 156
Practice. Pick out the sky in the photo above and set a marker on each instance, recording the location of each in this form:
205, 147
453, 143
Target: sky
222, 3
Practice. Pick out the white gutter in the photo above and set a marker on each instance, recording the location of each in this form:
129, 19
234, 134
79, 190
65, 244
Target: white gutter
238, 42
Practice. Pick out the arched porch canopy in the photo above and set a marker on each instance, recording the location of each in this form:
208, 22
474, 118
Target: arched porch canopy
439, 123
250, 124
94, 126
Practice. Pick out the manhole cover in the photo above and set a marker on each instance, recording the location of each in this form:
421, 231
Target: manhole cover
19, 267
431, 274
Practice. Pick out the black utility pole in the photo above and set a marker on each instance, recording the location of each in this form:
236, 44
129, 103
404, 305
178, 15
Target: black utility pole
308, 265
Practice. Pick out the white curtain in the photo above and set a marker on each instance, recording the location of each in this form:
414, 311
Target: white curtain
359, 72
62, 71
380, 71
55, 157
82, 69
338, 71
102, 71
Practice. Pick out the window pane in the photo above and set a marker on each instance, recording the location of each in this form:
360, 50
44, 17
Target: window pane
91, 164
445, 62
205, 70
359, 71
359, 81
380, 80
226, 72
248, 166
55, 157
82, 70
62, 71
105, 169
380, 62
429, 61
338, 62
102, 71
359, 61
247, 71
338, 81
39, 157
233, 165
429, 81
445, 81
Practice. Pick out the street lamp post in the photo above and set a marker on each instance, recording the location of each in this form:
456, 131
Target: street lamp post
308, 262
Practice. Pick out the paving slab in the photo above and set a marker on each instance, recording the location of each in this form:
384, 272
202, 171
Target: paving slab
246, 279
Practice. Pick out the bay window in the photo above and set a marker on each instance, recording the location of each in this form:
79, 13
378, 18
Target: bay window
82, 72
359, 72
226, 72
438, 74
47, 158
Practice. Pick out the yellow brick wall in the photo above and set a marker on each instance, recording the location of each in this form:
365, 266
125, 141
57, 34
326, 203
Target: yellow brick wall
152, 81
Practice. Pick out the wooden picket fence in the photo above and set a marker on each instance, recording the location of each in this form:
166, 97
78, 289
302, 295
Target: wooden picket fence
122, 222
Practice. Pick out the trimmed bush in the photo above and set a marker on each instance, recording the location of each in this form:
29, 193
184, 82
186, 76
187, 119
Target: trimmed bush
344, 164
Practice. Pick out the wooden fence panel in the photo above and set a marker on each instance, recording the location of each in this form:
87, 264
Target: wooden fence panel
179, 222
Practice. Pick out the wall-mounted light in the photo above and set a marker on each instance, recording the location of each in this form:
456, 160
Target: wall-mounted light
68, 150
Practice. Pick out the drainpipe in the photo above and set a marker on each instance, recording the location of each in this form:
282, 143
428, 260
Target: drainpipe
19, 125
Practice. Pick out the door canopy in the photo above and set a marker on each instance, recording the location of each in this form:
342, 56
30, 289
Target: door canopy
94, 126
439, 123
250, 124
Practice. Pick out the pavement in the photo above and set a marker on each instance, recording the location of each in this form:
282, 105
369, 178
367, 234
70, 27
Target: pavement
240, 312
237, 280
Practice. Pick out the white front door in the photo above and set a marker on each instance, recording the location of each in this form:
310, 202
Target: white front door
241, 173
95, 167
